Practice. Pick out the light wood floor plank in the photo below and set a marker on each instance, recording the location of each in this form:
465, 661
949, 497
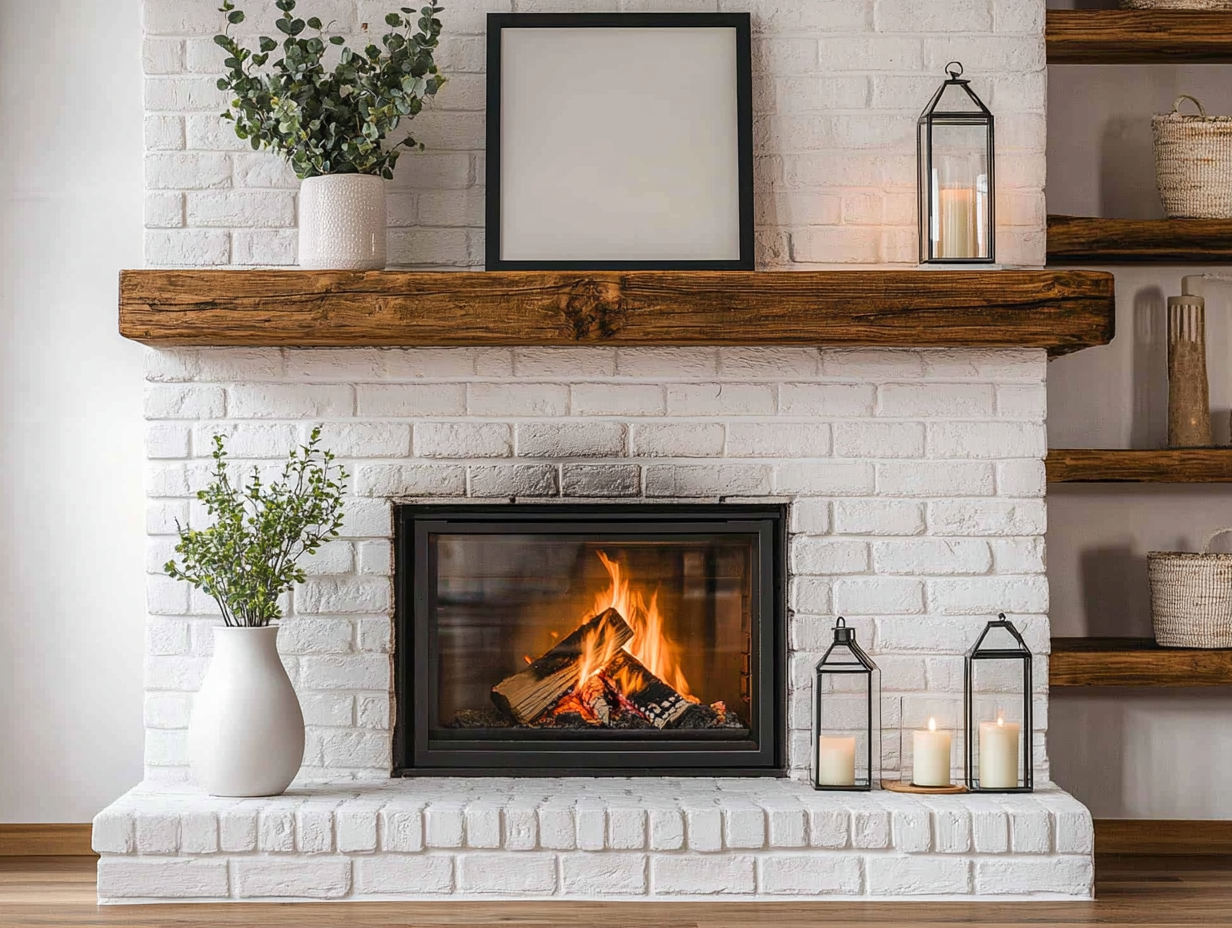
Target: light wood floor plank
35, 840
1163, 892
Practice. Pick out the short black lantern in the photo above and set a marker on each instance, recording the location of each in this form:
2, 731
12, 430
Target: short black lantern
997, 711
846, 715
954, 138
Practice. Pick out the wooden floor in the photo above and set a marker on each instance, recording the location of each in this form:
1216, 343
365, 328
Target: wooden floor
1165, 892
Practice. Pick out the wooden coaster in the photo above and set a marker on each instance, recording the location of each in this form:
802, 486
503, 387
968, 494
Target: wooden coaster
898, 786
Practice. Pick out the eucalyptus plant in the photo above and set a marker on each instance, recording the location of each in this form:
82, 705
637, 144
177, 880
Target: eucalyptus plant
249, 556
331, 121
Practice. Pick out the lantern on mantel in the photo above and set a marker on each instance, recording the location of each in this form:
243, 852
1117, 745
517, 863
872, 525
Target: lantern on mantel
997, 711
846, 715
954, 139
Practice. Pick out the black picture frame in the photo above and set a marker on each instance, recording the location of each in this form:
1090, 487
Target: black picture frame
739, 22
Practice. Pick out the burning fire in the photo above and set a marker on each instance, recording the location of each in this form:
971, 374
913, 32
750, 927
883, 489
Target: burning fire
618, 668
650, 643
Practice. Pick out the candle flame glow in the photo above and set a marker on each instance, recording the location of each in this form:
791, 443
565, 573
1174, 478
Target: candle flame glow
932, 724
1000, 721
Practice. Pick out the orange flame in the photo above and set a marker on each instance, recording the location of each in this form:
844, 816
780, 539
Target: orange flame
650, 643
598, 649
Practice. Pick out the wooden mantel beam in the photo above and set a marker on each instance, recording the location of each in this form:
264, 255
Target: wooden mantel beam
1059, 310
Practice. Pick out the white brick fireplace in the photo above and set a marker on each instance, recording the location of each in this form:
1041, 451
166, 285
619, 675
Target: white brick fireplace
915, 484
914, 481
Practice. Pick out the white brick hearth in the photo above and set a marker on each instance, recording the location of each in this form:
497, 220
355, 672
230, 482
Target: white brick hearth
663, 838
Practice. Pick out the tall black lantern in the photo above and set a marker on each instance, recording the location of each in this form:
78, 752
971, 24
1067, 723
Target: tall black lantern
846, 715
954, 139
997, 711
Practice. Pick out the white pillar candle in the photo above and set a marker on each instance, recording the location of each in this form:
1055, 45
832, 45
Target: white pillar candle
930, 763
836, 761
998, 754
957, 225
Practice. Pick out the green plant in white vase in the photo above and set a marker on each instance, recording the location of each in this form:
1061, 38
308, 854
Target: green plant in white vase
332, 124
246, 737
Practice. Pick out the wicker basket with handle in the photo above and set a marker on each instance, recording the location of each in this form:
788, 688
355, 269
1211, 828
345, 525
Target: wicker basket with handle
1193, 162
1191, 597
1176, 4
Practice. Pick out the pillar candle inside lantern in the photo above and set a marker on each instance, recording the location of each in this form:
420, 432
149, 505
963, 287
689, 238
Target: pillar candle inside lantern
836, 761
958, 224
998, 754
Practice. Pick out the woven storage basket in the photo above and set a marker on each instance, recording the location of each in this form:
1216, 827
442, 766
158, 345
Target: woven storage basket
1176, 4
1191, 597
1193, 163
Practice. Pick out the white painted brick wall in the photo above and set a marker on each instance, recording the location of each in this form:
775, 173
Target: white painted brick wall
916, 540
838, 85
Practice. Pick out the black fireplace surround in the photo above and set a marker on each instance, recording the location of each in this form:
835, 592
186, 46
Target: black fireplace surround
595, 640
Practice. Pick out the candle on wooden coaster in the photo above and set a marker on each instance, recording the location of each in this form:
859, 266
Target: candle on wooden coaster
930, 765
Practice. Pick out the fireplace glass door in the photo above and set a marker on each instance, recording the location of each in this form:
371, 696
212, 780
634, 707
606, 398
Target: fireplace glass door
591, 639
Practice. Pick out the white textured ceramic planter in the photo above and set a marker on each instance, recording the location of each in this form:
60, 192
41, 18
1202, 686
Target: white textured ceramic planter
246, 737
342, 222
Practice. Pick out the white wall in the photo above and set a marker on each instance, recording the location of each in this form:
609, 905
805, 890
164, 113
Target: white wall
71, 584
1117, 750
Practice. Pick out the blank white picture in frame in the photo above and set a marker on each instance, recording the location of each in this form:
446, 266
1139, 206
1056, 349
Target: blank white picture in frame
619, 145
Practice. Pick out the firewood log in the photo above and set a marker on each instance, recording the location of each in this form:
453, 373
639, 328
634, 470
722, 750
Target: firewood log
593, 693
659, 702
525, 695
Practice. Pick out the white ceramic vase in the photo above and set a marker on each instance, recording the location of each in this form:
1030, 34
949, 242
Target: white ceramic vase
246, 737
342, 222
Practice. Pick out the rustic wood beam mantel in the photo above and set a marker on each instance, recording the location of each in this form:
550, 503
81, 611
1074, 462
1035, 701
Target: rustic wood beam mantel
1059, 310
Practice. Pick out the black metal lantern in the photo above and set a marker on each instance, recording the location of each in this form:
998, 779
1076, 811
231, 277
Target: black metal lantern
846, 715
954, 139
997, 711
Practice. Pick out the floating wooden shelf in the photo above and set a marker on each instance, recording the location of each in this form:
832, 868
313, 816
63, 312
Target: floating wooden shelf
1182, 465
1060, 310
1134, 662
1137, 36
1078, 239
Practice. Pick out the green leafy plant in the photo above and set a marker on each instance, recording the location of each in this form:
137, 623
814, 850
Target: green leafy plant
331, 121
249, 556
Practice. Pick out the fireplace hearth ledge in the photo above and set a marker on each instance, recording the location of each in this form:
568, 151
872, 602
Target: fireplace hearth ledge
589, 838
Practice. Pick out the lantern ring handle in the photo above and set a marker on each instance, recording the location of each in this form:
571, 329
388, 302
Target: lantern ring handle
954, 76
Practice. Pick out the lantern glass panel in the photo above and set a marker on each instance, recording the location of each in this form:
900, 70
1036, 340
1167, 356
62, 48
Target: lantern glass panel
959, 188
846, 739
998, 708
